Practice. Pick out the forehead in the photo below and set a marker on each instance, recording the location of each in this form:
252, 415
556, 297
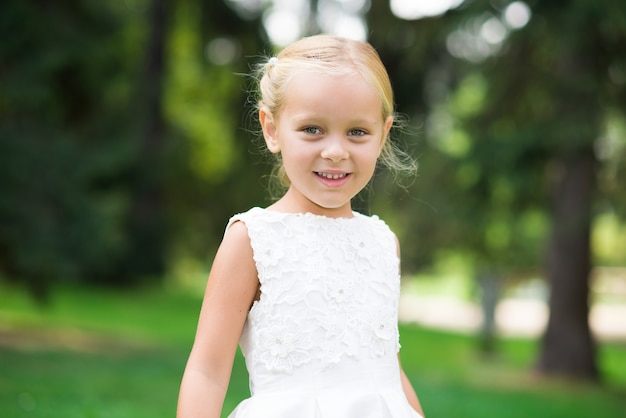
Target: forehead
335, 93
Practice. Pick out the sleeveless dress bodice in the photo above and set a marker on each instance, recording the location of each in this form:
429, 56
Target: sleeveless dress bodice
322, 340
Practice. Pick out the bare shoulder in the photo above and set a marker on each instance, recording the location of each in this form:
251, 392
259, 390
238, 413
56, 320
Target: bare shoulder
234, 263
232, 283
235, 246
397, 241
237, 233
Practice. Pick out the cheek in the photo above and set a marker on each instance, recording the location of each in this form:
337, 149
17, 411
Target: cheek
369, 155
296, 158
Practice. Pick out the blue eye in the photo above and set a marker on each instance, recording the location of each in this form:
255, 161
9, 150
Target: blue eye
356, 132
312, 130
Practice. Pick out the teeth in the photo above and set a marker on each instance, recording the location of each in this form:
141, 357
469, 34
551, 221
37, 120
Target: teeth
332, 176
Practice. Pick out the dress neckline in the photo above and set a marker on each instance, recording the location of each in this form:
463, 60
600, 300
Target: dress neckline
309, 215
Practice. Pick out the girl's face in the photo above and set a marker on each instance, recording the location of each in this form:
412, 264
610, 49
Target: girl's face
330, 133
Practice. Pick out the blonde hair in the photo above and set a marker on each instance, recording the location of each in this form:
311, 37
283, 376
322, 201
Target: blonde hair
329, 55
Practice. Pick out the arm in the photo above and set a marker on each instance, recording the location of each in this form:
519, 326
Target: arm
231, 289
409, 392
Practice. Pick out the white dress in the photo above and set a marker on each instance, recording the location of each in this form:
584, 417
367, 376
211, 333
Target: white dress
322, 340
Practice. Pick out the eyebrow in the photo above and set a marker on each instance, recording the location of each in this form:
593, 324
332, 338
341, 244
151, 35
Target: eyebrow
304, 117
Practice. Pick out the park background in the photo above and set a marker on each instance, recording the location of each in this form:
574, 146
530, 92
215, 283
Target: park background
128, 138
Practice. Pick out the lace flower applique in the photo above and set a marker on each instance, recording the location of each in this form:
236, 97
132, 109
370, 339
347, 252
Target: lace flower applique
380, 333
335, 343
283, 346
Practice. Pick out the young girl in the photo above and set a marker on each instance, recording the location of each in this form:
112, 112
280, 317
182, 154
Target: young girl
308, 287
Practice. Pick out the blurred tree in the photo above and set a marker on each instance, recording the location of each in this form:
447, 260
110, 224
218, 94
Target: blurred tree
575, 71
547, 97
146, 222
215, 169
55, 144
106, 170
511, 134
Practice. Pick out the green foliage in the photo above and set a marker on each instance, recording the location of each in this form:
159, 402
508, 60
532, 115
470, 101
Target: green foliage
488, 133
104, 179
609, 240
215, 169
73, 116
58, 139
197, 98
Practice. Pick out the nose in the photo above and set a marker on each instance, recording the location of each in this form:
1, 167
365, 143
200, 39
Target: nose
334, 150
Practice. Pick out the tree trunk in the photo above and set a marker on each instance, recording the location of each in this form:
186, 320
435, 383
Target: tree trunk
489, 286
146, 222
568, 347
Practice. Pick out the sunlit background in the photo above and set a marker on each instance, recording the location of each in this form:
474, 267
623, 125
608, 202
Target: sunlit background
287, 20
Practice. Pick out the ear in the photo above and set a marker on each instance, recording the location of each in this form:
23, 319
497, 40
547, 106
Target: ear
386, 129
269, 131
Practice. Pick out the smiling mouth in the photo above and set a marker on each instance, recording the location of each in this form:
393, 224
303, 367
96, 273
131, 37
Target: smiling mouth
332, 176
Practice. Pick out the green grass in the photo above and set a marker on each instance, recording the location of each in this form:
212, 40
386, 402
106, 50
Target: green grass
98, 353
453, 379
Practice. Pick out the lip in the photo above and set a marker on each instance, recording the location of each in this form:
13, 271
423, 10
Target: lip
332, 179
